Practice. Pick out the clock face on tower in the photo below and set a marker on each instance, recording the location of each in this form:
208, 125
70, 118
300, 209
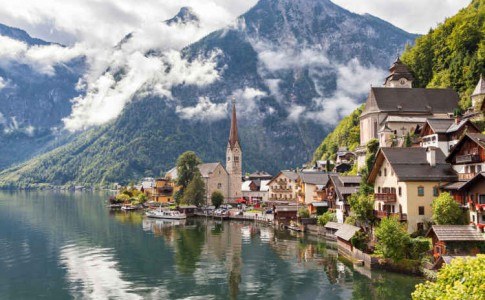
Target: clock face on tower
402, 81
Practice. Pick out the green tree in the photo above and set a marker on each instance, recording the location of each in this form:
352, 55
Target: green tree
370, 157
392, 239
463, 278
217, 198
303, 213
187, 167
194, 194
362, 208
328, 216
407, 141
446, 210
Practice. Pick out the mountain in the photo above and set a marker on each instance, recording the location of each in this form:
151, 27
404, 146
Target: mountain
185, 16
32, 103
291, 64
452, 54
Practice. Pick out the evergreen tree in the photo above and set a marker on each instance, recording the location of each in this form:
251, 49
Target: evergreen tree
194, 194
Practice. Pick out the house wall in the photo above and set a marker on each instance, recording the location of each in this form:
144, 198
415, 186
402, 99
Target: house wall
414, 202
408, 202
217, 181
309, 192
282, 189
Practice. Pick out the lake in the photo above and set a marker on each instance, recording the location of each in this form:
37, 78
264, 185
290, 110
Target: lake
68, 245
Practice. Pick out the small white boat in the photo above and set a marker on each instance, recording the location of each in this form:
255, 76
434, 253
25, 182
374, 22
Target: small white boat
129, 207
166, 214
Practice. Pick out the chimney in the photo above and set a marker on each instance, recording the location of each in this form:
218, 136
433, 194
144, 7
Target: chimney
431, 156
457, 119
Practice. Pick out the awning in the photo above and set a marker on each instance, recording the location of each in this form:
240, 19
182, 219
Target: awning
320, 204
241, 200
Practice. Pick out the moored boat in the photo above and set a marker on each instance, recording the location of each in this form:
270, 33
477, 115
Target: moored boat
166, 214
129, 207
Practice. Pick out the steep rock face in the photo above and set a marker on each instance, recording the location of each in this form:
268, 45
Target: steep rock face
32, 104
184, 16
285, 61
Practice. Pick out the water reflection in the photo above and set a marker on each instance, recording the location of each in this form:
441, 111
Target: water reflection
70, 246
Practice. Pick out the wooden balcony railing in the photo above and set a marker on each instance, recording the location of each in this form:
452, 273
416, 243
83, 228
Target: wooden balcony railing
383, 214
466, 176
385, 197
467, 158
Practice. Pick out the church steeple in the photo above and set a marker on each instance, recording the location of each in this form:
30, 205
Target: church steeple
233, 134
234, 159
400, 76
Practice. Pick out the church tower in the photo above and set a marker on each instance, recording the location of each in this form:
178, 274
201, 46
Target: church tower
400, 76
234, 159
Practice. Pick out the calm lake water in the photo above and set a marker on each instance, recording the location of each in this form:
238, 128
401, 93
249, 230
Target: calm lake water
69, 245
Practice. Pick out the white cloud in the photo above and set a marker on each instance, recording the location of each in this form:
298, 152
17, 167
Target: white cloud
416, 16
106, 97
104, 23
278, 58
247, 100
42, 58
353, 81
3, 83
204, 110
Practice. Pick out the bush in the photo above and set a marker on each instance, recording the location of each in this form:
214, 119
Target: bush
418, 247
360, 240
217, 198
446, 210
325, 218
303, 213
121, 198
464, 278
392, 239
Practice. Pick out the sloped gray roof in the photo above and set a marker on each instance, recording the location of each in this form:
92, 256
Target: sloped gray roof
316, 178
348, 190
293, 175
411, 100
456, 233
350, 179
346, 232
440, 125
410, 164
286, 208
333, 225
207, 169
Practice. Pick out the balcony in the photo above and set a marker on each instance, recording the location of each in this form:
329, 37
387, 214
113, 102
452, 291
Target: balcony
385, 197
281, 190
383, 214
468, 158
466, 176
480, 206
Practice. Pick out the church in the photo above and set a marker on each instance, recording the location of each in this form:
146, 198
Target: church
228, 179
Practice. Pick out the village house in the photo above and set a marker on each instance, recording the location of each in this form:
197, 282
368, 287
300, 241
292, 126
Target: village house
255, 190
311, 193
468, 156
395, 110
259, 175
339, 189
162, 191
445, 133
406, 180
283, 188
454, 240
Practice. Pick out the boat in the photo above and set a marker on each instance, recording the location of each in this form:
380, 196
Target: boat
166, 214
129, 207
114, 206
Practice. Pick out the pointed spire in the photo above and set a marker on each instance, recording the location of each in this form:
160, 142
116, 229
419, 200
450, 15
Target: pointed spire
480, 88
233, 135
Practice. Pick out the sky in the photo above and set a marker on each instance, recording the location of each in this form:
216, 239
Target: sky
92, 28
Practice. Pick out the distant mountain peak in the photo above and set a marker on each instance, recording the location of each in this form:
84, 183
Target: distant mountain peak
186, 15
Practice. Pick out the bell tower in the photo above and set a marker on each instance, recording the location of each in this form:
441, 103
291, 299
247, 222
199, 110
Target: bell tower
234, 159
400, 76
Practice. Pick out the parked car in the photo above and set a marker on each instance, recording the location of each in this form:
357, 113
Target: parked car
269, 211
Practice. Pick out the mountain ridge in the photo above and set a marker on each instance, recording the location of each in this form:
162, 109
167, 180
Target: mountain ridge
282, 93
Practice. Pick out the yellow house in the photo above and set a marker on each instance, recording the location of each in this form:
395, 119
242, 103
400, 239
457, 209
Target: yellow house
406, 180
163, 191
